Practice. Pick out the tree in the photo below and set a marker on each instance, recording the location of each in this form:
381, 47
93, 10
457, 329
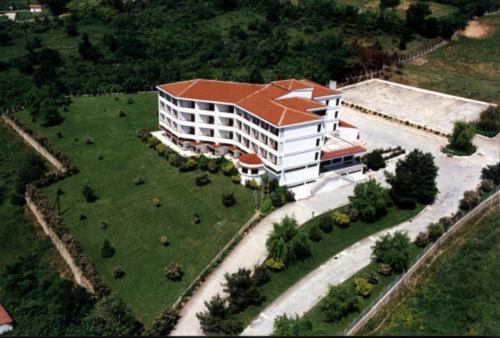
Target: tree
389, 3
422, 239
340, 301
49, 113
491, 172
393, 250
287, 242
314, 233
416, 14
107, 250
469, 201
164, 323
33, 169
87, 50
374, 160
414, 180
70, 26
371, 200
260, 275
242, 291
57, 7
217, 318
489, 121
461, 137
292, 326
434, 231
111, 317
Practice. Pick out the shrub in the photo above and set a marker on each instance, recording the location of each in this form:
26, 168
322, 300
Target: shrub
385, 269
161, 149
446, 222
371, 200
88, 140
164, 323
236, 179
434, 231
374, 160
201, 180
196, 219
213, 166
267, 205
461, 137
228, 169
104, 224
138, 180
275, 264
143, 134
261, 275
202, 161
489, 121
173, 271
292, 326
156, 202
83, 217
339, 302
89, 194
251, 184
121, 113
228, 199
107, 250
153, 141
130, 100
118, 272
288, 242
340, 219
314, 233
422, 239
326, 223
363, 287
353, 214
491, 172
393, 250
190, 165
486, 186
371, 277
164, 241
469, 201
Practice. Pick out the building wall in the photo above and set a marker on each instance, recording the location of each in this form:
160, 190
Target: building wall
5, 328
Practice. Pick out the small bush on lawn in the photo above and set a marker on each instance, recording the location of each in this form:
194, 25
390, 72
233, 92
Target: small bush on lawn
107, 250
196, 219
89, 194
201, 180
83, 217
213, 166
469, 201
371, 277
371, 200
130, 100
157, 202
422, 239
88, 140
326, 223
385, 269
363, 287
275, 264
228, 169
164, 241
446, 222
202, 161
188, 165
486, 186
173, 271
118, 272
175, 159
143, 134
352, 213
121, 113
260, 275
104, 224
434, 231
228, 199
314, 233
342, 220
138, 180
153, 141
236, 179
161, 149
251, 184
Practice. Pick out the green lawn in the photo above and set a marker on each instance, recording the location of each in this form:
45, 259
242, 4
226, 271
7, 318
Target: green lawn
135, 224
331, 244
457, 294
469, 67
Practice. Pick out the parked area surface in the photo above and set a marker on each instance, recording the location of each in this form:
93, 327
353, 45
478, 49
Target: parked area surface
423, 107
456, 175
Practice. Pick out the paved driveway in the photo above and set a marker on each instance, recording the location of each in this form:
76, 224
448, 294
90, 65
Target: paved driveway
455, 176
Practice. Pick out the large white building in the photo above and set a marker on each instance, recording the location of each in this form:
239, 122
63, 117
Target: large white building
289, 130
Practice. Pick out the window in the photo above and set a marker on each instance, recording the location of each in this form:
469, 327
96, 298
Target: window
316, 156
162, 94
327, 102
338, 101
334, 126
211, 107
255, 171
162, 105
244, 170
319, 128
162, 117
317, 142
348, 158
294, 169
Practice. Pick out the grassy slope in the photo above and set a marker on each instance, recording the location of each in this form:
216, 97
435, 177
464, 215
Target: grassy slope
457, 294
135, 224
467, 67
330, 244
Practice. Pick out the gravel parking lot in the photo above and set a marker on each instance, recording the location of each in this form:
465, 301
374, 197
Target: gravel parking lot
423, 107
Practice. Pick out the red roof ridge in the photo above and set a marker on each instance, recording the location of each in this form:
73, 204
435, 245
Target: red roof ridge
192, 84
255, 92
298, 111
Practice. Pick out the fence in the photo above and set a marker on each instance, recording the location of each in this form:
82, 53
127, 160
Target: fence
386, 295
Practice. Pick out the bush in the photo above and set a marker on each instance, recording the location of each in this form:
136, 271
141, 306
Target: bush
173, 271
121, 113
164, 323
251, 184
314, 233
371, 277
326, 223
486, 186
275, 264
196, 219
353, 214
188, 165
434, 231
469, 201
385, 269
153, 142
228, 169
489, 121
228, 199
107, 250
340, 301
491, 172
88, 140
83, 217
374, 160
422, 239
164, 241
156, 202
118, 272
292, 326
89, 194
138, 180
161, 149
363, 287
267, 205
371, 200
143, 134
213, 166
261, 275
201, 180
340, 219
461, 137
393, 250
288, 242
236, 179
446, 222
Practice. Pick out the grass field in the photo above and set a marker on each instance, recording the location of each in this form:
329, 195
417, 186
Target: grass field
469, 67
456, 293
135, 224
438, 10
330, 244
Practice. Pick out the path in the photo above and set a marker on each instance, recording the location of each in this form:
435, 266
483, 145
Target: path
455, 176
252, 250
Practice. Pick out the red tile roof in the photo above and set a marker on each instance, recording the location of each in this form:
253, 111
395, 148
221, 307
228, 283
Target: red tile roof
261, 100
327, 155
252, 159
4, 316
344, 124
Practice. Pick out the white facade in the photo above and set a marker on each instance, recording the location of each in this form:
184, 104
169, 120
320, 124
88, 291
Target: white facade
5, 328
